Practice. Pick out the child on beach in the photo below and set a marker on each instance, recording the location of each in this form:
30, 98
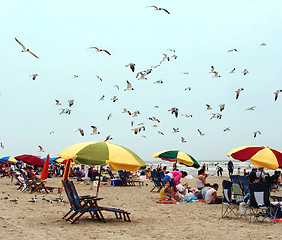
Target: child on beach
169, 191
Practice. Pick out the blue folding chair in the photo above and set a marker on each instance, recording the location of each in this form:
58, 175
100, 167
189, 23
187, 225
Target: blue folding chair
245, 183
235, 179
156, 180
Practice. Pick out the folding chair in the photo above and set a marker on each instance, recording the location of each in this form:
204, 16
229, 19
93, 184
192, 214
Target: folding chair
156, 180
229, 205
260, 205
245, 183
125, 181
161, 175
235, 179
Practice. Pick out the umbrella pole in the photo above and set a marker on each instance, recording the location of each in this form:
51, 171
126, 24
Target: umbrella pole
99, 181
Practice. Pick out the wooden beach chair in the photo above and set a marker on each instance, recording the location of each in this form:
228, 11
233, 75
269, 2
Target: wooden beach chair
83, 204
125, 181
235, 179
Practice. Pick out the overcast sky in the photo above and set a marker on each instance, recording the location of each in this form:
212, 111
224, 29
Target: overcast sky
201, 32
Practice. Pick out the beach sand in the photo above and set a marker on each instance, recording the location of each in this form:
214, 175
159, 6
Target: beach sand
149, 220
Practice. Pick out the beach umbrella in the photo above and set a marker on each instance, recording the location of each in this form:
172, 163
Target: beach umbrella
63, 161
102, 153
8, 159
67, 170
259, 155
177, 156
30, 159
51, 160
44, 173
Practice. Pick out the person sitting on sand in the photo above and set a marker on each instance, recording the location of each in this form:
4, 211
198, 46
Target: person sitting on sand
174, 177
211, 195
169, 191
202, 193
182, 190
201, 179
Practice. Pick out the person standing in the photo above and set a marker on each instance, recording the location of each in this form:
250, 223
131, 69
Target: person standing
219, 170
230, 167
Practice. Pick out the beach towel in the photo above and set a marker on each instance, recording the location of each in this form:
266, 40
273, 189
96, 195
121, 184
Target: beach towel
165, 202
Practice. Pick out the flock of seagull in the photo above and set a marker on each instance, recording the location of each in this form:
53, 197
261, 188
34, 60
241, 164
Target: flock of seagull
168, 56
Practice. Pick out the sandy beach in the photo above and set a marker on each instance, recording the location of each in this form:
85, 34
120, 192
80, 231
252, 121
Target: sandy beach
42, 220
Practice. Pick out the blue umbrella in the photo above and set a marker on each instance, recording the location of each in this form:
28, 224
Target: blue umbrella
51, 160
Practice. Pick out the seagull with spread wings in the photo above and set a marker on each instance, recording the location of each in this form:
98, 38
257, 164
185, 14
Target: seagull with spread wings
57, 102
182, 140
108, 138
200, 132
256, 132
132, 66
70, 102
174, 111
251, 108
101, 50
25, 49
80, 131
94, 130
40, 149
232, 71
160, 9
238, 92
276, 93
33, 76
128, 86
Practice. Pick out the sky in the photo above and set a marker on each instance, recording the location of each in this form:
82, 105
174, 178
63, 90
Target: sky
61, 33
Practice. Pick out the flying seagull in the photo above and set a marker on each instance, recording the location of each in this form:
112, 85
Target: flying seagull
94, 130
131, 65
99, 78
256, 132
232, 71
221, 107
226, 129
263, 44
25, 49
80, 131
2, 145
245, 71
40, 149
200, 132
70, 102
174, 111
158, 82
109, 116
251, 108
182, 140
175, 130
117, 87
208, 107
232, 50
212, 69
160, 9
102, 98
108, 138
238, 92
101, 50
128, 87
276, 94
216, 75
75, 76
114, 99
33, 76
58, 102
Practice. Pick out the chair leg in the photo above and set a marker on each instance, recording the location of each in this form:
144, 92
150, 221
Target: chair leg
64, 217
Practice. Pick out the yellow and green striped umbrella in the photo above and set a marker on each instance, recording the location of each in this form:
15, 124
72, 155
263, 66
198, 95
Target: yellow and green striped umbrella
177, 156
102, 153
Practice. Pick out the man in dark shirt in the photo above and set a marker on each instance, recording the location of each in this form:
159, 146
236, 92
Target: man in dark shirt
253, 175
230, 167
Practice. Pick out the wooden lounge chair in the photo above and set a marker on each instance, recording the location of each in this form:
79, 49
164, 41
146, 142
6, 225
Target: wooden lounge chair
83, 204
125, 181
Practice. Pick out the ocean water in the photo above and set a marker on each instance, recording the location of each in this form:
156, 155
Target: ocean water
210, 166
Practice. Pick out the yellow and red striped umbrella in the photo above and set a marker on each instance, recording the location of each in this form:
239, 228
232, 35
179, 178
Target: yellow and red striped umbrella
259, 155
